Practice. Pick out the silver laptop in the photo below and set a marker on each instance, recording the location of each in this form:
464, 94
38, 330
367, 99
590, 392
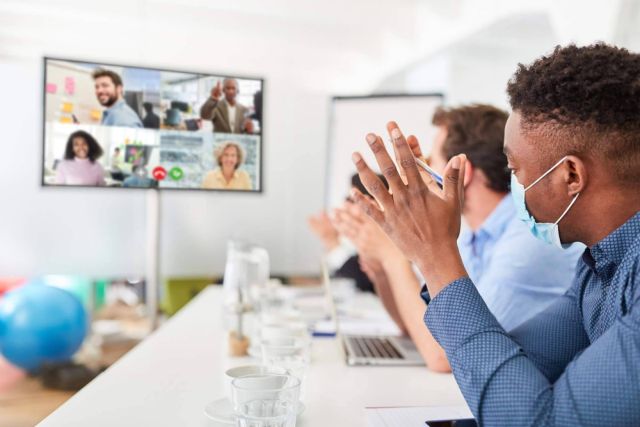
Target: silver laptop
384, 350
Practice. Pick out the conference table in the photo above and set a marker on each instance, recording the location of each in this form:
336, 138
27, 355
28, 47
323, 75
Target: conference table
168, 379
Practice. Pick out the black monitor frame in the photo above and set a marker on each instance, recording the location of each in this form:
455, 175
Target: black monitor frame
88, 61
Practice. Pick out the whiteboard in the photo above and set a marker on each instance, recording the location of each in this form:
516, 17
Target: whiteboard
353, 117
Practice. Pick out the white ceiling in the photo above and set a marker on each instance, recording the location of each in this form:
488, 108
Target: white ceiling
340, 45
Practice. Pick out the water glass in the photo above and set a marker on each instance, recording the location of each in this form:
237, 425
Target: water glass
291, 353
266, 400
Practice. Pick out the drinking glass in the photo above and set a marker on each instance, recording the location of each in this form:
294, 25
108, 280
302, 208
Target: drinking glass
266, 400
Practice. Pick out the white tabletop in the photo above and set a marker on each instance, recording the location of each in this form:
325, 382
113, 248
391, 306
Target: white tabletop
169, 378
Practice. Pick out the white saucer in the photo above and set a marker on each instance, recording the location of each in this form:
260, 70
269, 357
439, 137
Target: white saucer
221, 410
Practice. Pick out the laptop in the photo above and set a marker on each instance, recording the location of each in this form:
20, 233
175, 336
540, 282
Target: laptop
365, 350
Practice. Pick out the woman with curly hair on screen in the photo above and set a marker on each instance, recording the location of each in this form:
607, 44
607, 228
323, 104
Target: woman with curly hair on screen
79, 166
228, 176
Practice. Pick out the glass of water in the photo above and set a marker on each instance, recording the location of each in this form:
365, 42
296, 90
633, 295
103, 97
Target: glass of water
266, 400
290, 353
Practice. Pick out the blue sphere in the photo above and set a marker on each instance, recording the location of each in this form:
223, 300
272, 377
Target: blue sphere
40, 323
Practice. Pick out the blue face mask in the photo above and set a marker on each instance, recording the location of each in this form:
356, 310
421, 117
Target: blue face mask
547, 232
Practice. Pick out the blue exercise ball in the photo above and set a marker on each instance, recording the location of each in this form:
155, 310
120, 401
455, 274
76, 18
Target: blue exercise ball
40, 323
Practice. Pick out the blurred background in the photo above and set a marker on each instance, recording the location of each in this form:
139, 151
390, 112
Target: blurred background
307, 52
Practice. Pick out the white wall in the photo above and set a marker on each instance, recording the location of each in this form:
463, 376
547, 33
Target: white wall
306, 50
306, 53
103, 231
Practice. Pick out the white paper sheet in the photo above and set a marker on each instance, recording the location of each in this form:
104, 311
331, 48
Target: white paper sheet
413, 416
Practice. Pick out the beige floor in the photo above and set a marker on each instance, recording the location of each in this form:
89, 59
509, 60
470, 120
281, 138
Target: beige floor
24, 401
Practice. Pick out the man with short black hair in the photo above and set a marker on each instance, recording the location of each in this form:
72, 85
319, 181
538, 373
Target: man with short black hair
496, 247
573, 146
109, 91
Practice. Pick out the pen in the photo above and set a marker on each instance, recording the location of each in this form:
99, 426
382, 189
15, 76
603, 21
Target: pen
430, 171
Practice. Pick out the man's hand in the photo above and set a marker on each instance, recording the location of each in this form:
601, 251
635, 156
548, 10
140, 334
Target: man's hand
216, 92
372, 268
368, 238
414, 145
321, 226
423, 221
248, 126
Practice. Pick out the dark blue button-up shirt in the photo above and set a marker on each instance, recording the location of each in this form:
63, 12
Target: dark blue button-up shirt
576, 363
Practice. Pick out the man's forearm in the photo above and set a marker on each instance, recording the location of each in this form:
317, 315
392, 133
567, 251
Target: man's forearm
441, 268
206, 111
406, 289
383, 290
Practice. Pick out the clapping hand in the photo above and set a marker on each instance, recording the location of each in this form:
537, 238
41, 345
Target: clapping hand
422, 220
368, 238
322, 227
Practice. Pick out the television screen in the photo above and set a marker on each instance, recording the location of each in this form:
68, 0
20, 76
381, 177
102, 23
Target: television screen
109, 125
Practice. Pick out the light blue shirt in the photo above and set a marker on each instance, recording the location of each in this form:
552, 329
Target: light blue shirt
120, 114
517, 275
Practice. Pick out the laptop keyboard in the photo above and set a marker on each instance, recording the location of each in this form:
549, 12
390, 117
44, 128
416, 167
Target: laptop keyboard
374, 347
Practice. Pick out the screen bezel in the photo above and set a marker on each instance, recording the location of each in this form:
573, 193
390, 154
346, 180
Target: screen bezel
223, 75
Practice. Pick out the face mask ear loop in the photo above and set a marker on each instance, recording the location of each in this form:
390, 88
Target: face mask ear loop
546, 173
567, 210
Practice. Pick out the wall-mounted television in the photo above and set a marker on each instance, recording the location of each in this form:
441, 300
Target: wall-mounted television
118, 126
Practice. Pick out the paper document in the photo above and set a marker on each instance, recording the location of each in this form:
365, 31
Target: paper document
414, 416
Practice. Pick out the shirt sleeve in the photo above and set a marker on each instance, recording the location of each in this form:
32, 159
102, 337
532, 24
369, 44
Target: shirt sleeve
515, 286
207, 109
552, 338
504, 385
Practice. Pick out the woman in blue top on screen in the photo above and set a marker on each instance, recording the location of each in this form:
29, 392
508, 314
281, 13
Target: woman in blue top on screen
79, 166
227, 176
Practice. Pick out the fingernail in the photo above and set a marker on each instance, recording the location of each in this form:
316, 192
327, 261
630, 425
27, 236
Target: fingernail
455, 163
395, 133
356, 157
371, 138
354, 194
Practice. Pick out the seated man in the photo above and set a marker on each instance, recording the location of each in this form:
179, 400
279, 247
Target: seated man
573, 147
342, 260
496, 249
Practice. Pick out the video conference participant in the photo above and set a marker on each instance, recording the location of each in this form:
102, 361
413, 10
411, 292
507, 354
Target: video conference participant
572, 145
139, 178
228, 176
109, 92
79, 166
151, 120
227, 115
496, 248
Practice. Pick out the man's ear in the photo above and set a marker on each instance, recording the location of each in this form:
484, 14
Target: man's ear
574, 174
468, 174
120, 90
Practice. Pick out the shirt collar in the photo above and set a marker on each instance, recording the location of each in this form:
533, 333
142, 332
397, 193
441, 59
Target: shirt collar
116, 105
220, 175
610, 251
496, 222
